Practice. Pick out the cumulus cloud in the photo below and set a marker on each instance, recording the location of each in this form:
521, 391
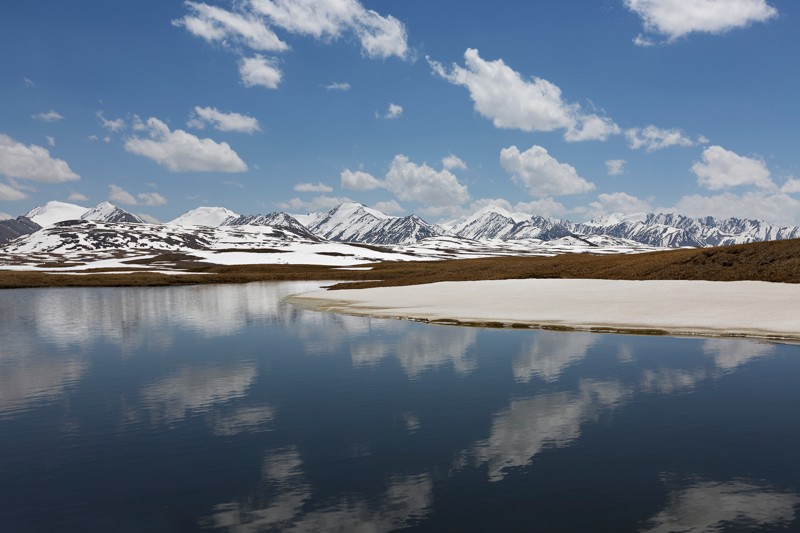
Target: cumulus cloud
222, 121
546, 207
113, 125
77, 197
260, 71
450, 162
5, 216
217, 25
652, 138
615, 167
677, 18
510, 101
392, 112
542, 174
389, 207
251, 25
119, 195
792, 186
48, 116
318, 203
359, 181
337, 86
312, 187
32, 162
380, 36
617, 202
591, 128
421, 183
10, 194
776, 208
721, 168
180, 151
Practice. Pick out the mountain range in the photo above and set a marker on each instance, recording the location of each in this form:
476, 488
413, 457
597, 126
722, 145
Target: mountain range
59, 224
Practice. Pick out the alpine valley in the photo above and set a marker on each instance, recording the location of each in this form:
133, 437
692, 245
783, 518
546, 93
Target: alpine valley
71, 237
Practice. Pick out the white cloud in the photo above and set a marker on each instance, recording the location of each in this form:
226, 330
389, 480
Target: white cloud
541, 173
260, 71
359, 181
392, 112
702, 139
48, 116
32, 162
776, 208
615, 167
591, 128
28, 82
652, 138
721, 168
510, 101
312, 187
421, 183
222, 121
617, 202
338, 86
5, 216
546, 207
389, 207
451, 161
215, 24
119, 195
113, 125
380, 36
77, 197
318, 203
10, 194
51, 141
180, 151
792, 186
151, 199
677, 18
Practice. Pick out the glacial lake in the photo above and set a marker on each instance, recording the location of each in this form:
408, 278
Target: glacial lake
226, 408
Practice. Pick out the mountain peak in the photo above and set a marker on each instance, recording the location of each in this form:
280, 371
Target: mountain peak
205, 216
55, 211
108, 212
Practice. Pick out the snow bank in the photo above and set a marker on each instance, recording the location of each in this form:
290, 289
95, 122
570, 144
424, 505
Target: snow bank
741, 308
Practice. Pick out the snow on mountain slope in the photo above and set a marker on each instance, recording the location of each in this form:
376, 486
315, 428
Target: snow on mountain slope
204, 216
272, 220
351, 222
54, 211
108, 212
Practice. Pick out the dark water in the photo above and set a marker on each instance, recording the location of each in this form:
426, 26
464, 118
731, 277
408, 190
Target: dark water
220, 408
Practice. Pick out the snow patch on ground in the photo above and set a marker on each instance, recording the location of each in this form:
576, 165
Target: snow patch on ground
739, 308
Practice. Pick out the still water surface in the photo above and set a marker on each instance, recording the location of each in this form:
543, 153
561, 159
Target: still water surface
222, 407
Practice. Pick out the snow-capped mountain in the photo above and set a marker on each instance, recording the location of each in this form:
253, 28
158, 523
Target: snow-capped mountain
60, 232
352, 222
108, 212
272, 220
15, 227
54, 211
673, 230
492, 222
205, 216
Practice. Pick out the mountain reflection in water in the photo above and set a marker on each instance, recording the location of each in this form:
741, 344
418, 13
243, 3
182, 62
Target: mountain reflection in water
224, 407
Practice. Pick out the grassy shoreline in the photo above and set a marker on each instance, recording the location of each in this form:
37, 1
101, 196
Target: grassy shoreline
774, 261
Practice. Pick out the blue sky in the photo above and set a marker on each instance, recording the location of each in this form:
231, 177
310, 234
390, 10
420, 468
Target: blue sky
572, 109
